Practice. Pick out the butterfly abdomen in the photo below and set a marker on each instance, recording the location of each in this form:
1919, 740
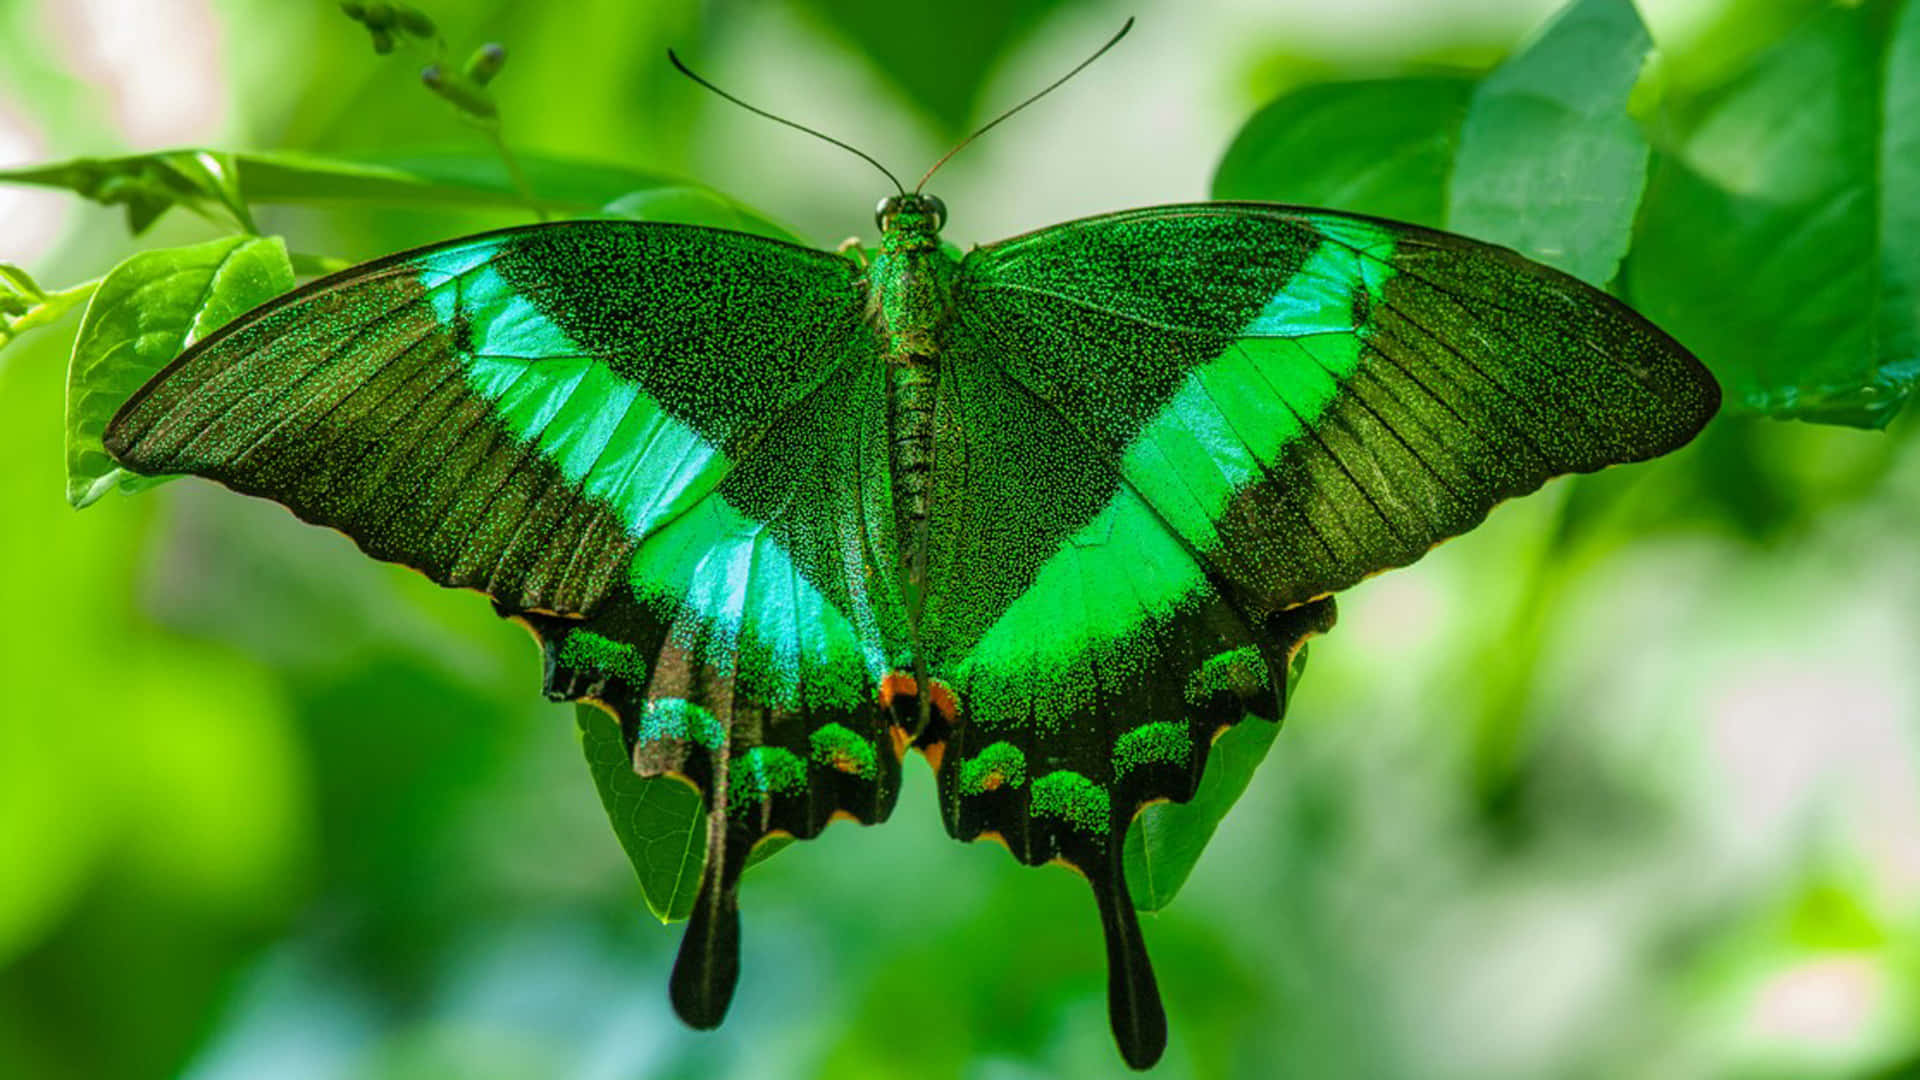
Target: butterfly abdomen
912, 390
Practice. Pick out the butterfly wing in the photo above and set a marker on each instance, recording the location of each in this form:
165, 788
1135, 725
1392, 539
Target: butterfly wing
1171, 433
658, 446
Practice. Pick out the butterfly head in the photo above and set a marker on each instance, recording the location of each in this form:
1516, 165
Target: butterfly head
911, 214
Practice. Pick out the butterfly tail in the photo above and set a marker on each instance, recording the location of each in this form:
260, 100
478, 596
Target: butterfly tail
1133, 995
708, 967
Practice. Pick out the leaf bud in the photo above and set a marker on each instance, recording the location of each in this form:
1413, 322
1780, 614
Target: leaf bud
465, 96
486, 62
414, 22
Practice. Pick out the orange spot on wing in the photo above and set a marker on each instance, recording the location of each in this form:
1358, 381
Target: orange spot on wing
944, 702
901, 683
528, 627
933, 752
1061, 860
996, 838
896, 684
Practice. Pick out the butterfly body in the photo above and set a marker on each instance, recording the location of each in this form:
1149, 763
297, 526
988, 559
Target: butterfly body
1056, 513
910, 286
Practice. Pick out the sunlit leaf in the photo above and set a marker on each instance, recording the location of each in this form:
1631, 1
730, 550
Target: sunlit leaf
143, 314
1166, 840
1549, 163
1777, 241
1381, 147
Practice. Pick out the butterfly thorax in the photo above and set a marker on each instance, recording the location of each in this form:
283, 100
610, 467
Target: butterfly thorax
910, 302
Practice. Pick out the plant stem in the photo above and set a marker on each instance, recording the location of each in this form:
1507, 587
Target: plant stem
513, 171
51, 307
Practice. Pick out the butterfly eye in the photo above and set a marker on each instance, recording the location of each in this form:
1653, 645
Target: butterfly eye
939, 210
881, 213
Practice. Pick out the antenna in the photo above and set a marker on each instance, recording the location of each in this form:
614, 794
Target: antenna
1055, 85
862, 154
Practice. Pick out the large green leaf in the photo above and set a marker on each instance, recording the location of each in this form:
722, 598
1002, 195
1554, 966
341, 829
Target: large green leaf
143, 314
1549, 162
1778, 238
1899, 325
1166, 840
1382, 147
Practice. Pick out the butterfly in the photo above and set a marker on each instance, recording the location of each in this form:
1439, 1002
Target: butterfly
1056, 512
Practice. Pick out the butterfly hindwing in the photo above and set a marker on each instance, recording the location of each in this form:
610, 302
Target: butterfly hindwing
657, 446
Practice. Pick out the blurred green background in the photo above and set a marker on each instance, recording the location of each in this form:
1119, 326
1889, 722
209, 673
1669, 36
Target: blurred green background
1623, 784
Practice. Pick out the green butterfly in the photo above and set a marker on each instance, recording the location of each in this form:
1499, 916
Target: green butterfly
1056, 513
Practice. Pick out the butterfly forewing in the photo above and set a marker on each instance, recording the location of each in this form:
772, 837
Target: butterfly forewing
1308, 398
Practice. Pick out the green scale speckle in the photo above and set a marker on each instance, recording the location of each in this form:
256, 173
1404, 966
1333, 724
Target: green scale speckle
585, 650
1240, 670
1073, 798
999, 765
835, 746
1160, 742
678, 718
764, 771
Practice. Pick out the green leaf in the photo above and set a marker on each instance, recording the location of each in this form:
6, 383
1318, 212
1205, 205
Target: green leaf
143, 314
1777, 241
450, 178
1166, 839
1550, 163
1381, 147
658, 819
940, 54
1899, 326
691, 205
148, 184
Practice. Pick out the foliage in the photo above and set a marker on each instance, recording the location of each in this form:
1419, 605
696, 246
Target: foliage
1776, 250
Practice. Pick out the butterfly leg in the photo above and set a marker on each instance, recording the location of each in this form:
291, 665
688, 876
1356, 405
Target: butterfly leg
853, 249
